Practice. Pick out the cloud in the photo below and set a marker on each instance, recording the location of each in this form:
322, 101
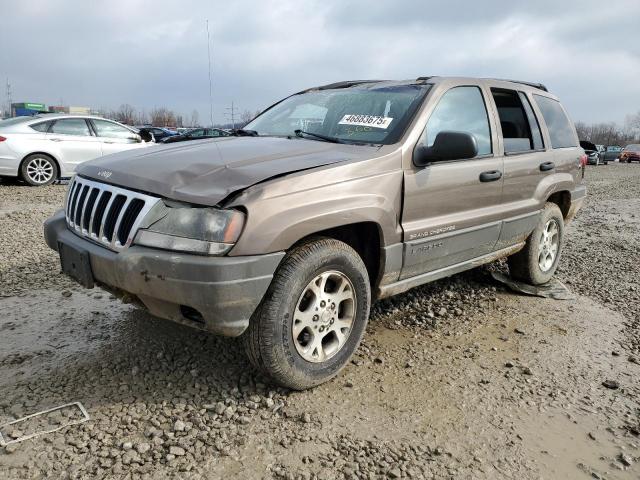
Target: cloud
148, 54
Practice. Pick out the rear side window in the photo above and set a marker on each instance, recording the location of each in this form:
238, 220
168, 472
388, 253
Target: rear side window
534, 126
519, 126
461, 109
71, 126
561, 130
40, 127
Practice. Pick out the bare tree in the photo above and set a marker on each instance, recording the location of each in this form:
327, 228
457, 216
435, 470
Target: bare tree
125, 114
246, 117
162, 117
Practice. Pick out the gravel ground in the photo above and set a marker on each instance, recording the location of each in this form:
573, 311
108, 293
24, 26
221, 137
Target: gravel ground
457, 379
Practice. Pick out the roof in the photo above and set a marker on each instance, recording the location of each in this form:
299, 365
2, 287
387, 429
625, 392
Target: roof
417, 81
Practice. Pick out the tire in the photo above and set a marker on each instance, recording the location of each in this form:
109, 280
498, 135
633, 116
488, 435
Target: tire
286, 339
39, 170
527, 265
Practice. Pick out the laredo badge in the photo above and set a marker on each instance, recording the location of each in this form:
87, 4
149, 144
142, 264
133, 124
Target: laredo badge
366, 121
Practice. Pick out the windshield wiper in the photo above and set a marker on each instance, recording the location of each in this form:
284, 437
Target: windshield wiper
241, 132
301, 133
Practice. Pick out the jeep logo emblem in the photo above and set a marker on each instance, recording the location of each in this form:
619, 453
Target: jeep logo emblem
105, 173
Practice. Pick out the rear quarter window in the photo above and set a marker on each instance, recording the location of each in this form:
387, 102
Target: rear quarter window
41, 126
561, 130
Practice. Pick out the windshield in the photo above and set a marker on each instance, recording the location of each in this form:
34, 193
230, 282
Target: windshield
633, 148
365, 114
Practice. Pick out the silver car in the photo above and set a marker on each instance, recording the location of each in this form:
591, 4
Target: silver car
43, 148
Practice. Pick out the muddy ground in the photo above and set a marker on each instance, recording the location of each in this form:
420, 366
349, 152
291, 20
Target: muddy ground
459, 379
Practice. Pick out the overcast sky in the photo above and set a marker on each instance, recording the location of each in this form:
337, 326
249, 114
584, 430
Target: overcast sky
103, 54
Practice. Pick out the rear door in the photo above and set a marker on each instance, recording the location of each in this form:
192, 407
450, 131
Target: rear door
114, 137
526, 163
75, 142
450, 215
532, 174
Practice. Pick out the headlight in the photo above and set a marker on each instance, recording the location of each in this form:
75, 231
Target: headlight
184, 228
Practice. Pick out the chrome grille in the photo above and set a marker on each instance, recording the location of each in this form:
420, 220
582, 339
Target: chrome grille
105, 214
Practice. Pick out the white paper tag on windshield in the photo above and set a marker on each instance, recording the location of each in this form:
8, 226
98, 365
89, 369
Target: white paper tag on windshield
366, 121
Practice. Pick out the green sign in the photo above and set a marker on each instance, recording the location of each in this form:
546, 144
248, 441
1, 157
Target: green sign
34, 106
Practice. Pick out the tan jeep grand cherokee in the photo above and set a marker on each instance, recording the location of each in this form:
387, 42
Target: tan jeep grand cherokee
335, 196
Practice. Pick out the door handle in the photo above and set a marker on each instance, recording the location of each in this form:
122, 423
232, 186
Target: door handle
490, 176
546, 166
55, 139
109, 142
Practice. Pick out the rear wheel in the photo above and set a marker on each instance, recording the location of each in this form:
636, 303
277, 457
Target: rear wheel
313, 315
38, 170
537, 261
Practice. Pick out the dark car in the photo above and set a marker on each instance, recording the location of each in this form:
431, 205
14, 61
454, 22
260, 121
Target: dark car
593, 154
612, 152
631, 153
158, 133
196, 134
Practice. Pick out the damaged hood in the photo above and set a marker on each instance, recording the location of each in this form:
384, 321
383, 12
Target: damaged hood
206, 172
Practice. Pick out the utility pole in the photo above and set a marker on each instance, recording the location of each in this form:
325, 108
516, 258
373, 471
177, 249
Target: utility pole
9, 100
210, 88
232, 114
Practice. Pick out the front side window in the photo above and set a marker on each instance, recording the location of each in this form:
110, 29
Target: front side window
561, 130
71, 126
111, 130
212, 132
366, 113
461, 109
198, 132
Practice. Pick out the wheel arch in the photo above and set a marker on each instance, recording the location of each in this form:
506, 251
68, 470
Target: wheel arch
366, 238
561, 198
46, 154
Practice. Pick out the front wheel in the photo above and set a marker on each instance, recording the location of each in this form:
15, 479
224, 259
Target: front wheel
312, 317
537, 261
38, 170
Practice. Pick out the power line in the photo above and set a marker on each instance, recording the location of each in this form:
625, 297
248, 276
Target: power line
210, 88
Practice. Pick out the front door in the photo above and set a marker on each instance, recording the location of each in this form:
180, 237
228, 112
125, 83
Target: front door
451, 209
75, 142
114, 137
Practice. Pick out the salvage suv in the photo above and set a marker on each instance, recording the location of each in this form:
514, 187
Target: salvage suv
330, 199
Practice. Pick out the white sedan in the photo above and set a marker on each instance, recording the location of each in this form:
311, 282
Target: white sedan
43, 148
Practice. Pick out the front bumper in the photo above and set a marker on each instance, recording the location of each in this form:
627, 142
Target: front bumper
224, 291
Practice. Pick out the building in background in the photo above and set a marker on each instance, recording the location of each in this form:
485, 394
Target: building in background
26, 109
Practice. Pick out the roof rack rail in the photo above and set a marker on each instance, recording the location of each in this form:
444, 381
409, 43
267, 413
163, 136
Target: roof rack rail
539, 86
346, 84
424, 79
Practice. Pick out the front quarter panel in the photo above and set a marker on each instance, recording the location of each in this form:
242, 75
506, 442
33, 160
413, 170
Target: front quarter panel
283, 211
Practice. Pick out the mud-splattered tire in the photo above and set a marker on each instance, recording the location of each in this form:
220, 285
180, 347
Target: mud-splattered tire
537, 261
313, 316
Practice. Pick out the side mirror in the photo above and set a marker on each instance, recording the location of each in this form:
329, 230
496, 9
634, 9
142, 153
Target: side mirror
447, 146
137, 138
146, 136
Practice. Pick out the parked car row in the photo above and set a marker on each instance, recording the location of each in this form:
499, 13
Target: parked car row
601, 154
43, 148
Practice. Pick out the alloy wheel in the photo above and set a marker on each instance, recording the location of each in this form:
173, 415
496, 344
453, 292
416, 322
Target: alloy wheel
39, 170
549, 245
324, 316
